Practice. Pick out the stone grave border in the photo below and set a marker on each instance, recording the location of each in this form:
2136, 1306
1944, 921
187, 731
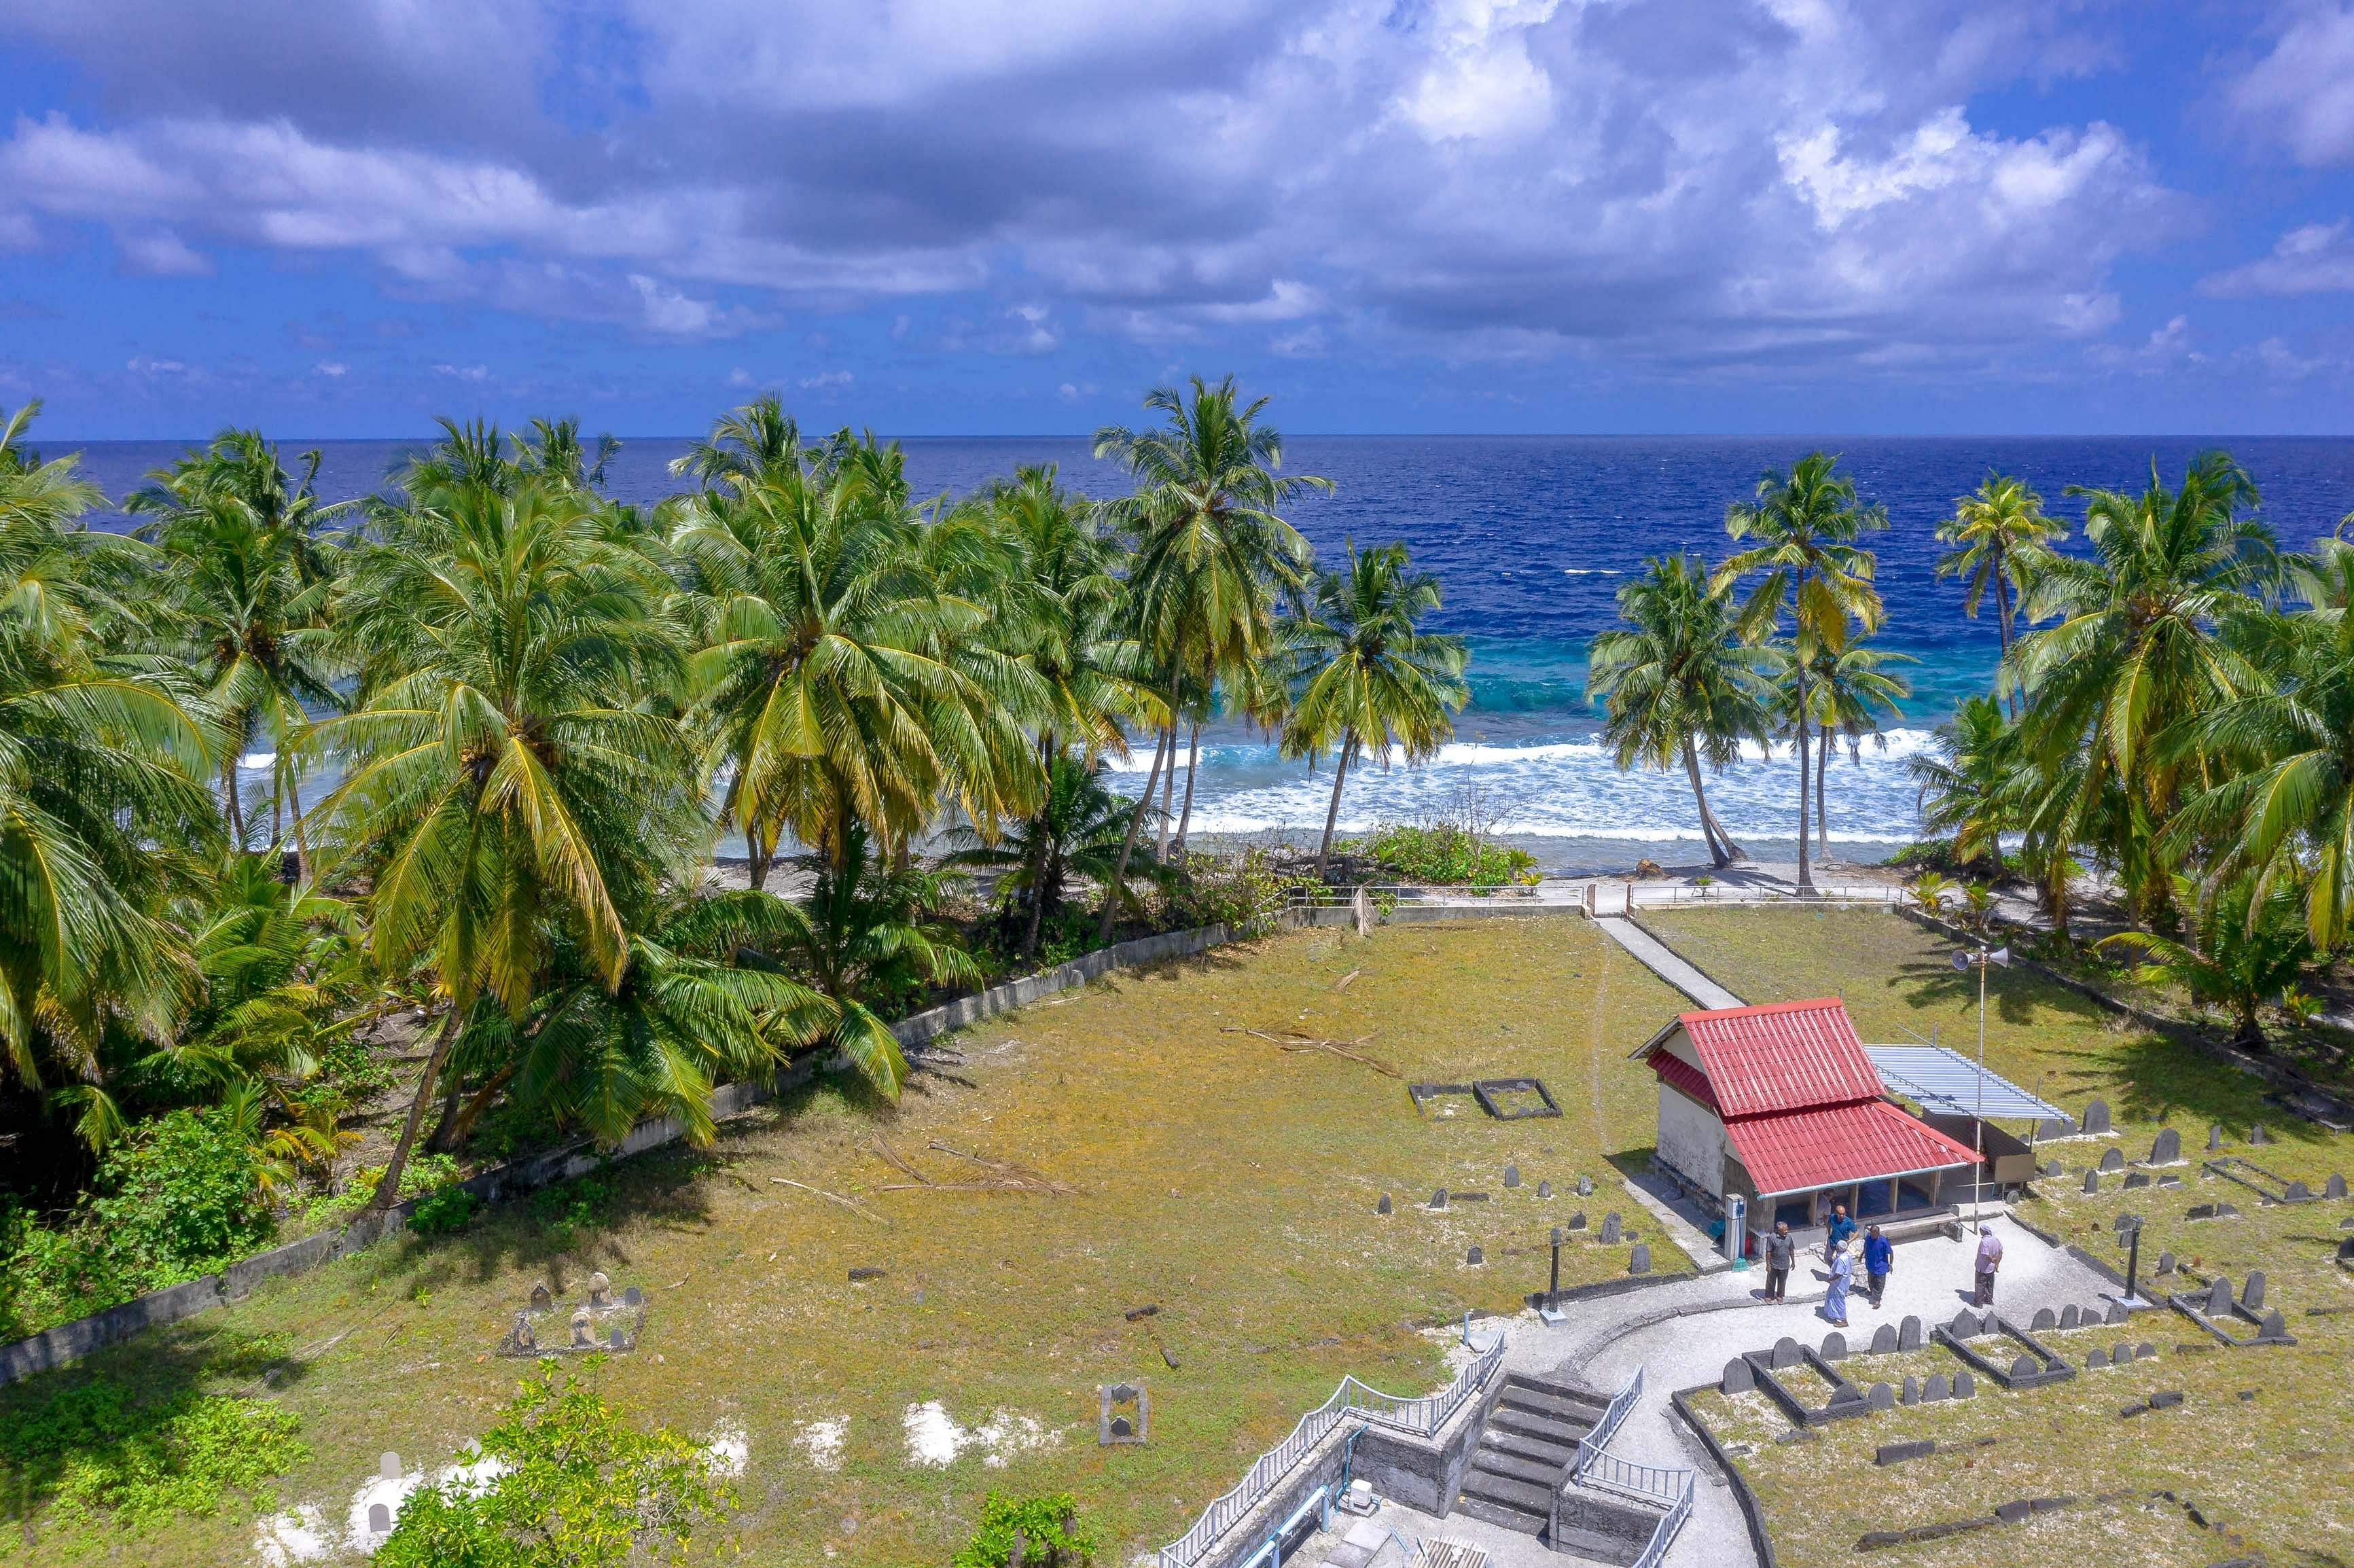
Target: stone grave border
1752, 1513
1848, 1397
2055, 1367
2193, 1306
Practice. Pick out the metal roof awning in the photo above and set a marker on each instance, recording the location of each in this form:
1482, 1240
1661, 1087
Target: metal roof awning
1948, 1083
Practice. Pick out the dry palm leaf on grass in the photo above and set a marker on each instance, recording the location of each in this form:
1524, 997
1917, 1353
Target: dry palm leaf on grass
1292, 1040
1002, 1175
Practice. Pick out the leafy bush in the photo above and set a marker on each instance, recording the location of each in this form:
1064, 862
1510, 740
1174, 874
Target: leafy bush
93, 1449
421, 1175
1245, 892
576, 1486
1443, 853
443, 1212
567, 1208
1052, 1536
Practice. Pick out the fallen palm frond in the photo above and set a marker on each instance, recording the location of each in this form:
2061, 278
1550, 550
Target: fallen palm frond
1345, 1049
1345, 978
853, 1207
1004, 1176
899, 1162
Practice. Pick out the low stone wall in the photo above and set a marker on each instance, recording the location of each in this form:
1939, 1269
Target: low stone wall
1752, 1513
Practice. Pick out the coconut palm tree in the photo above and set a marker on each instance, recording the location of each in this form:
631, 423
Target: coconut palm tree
816, 624
1807, 523
506, 787
1971, 781
2000, 538
1680, 682
2282, 748
2136, 649
1074, 833
101, 763
750, 445
1366, 676
1211, 550
864, 938
1852, 691
2246, 946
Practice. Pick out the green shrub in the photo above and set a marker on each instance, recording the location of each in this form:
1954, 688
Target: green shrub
422, 1174
567, 1208
1245, 892
443, 1212
1052, 1536
95, 1449
581, 1487
1444, 853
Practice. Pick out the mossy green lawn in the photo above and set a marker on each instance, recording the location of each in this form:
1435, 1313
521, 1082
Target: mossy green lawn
1219, 1176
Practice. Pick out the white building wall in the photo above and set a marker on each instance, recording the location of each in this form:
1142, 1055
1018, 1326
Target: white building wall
1691, 1139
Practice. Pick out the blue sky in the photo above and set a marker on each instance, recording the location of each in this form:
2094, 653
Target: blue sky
968, 216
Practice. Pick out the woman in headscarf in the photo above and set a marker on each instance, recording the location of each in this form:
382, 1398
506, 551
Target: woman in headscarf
1842, 1275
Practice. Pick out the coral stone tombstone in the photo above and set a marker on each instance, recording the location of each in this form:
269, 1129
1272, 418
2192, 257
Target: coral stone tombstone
1544, 1190
2251, 1294
2024, 1367
2219, 1296
1908, 1334
2112, 1161
388, 1465
1785, 1355
2168, 1149
1965, 1385
2257, 1134
633, 1297
1383, 1206
542, 1298
2096, 1118
2042, 1319
2166, 1263
2052, 1168
2346, 1250
521, 1340
2091, 1182
2115, 1314
2053, 1127
1610, 1228
617, 1339
380, 1519
599, 1291
1439, 1199
2296, 1192
1474, 1257
582, 1336
1964, 1326
2226, 1211
2121, 1355
2070, 1316
2335, 1187
1936, 1389
2169, 1181
2214, 1139
1586, 1186
1638, 1259
1834, 1346
1511, 1175
2145, 1350
2273, 1326
1911, 1394
1884, 1340
2097, 1361
1738, 1377
2136, 1180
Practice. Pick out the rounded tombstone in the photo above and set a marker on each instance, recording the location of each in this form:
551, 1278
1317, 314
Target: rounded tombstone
581, 1331
1439, 1199
2025, 1367
633, 1297
1511, 1175
1965, 1385
380, 1519
1544, 1189
1936, 1389
1474, 1257
1911, 1394
618, 1339
2121, 1355
1785, 1354
2113, 1161
2094, 1362
1880, 1396
542, 1298
1884, 1340
2145, 1350
2042, 1319
1383, 1206
1738, 1376
598, 1288
1834, 1346
2070, 1316
2335, 1187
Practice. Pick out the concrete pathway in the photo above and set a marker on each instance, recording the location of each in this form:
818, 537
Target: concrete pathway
1662, 961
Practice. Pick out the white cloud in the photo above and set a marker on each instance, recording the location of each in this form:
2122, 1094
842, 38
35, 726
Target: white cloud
2317, 258
2165, 349
2302, 93
330, 367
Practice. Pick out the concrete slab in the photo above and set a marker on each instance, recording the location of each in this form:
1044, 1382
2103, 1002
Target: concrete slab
1663, 963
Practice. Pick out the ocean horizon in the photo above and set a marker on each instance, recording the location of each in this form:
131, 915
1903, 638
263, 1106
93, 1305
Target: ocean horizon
1531, 537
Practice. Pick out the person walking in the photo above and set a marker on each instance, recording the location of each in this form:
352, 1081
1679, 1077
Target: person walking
1840, 1230
1781, 1251
1989, 1260
1842, 1275
1879, 1258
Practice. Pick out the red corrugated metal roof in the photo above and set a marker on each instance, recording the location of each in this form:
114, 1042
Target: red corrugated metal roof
1786, 1056
1684, 1076
1793, 1152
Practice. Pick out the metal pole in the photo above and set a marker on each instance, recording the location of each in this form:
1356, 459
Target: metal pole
1977, 1129
1554, 1289
2133, 1264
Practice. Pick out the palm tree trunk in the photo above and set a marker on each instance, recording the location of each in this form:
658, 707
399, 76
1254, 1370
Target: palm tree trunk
1806, 877
1332, 811
1193, 762
388, 1187
2003, 624
761, 853
1037, 905
1717, 854
228, 794
1822, 775
294, 810
1168, 790
452, 1133
1128, 844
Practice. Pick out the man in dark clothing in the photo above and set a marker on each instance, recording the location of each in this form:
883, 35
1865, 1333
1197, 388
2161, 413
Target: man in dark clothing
1780, 1253
1879, 1257
1841, 1230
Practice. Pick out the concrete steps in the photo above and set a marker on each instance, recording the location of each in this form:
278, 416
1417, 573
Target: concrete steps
1530, 1436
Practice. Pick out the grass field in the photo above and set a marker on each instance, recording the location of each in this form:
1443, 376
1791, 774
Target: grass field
2261, 1441
1230, 1182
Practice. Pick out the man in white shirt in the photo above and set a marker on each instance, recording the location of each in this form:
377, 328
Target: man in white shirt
1989, 1259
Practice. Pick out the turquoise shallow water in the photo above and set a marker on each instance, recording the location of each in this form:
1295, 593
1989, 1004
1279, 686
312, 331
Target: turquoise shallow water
1532, 537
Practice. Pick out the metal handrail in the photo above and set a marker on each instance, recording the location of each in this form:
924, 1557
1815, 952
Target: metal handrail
1590, 1446
1663, 1534
1422, 1415
1301, 895
1596, 1466
1652, 1483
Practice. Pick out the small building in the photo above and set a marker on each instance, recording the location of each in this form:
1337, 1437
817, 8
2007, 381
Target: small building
1781, 1104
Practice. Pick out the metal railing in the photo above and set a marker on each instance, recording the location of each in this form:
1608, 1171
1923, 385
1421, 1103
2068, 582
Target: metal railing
1663, 1534
1590, 1446
1422, 1415
1646, 1483
1305, 896
1656, 894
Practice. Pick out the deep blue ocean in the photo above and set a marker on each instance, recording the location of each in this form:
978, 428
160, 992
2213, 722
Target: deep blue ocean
1532, 537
